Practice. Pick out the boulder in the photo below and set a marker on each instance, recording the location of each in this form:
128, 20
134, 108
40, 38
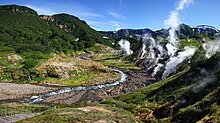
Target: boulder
14, 58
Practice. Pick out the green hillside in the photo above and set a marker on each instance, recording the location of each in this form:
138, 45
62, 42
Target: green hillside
21, 25
189, 96
31, 39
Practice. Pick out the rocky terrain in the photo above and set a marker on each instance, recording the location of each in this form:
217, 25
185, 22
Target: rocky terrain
135, 81
12, 91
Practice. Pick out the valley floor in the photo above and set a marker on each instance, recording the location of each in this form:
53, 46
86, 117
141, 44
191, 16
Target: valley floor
13, 95
191, 95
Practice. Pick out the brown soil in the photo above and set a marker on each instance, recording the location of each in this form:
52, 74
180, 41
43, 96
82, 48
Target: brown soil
96, 108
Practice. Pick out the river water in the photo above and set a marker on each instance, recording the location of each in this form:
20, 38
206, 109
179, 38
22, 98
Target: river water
39, 98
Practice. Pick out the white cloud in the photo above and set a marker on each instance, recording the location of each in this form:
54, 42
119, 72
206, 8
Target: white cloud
79, 12
110, 25
116, 15
96, 20
87, 14
120, 4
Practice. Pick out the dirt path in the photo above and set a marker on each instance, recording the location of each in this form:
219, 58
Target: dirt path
17, 117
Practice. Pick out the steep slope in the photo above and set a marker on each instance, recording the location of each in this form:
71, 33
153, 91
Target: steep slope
26, 40
76, 27
189, 96
189, 89
23, 31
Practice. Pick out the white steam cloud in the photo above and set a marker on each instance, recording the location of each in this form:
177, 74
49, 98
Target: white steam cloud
156, 69
175, 61
125, 46
183, 3
143, 50
173, 22
150, 40
204, 80
212, 47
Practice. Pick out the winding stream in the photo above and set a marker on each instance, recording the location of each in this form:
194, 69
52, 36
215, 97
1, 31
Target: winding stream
39, 98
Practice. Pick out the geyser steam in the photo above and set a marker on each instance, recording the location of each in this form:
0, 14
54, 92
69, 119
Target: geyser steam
125, 46
173, 22
172, 47
212, 47
174, 61
143, 50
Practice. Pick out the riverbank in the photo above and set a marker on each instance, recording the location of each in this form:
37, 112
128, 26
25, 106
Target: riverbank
135, 80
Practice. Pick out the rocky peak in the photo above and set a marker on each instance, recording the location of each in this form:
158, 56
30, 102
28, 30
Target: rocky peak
16, 8
60, 25
47, 17
207, 27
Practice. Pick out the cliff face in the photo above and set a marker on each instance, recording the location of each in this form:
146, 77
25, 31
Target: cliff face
47, 17
60, 25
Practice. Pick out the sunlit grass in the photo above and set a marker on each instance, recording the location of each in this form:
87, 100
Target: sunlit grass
87, 78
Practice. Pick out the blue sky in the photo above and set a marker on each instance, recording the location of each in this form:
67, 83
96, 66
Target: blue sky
117, 14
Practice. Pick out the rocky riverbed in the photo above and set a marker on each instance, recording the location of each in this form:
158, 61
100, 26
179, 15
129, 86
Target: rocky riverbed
135, 80
12, 91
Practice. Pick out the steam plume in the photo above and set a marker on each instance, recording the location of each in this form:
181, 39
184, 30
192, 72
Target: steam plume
125, 46
173, 22
212, 47
156, 69
143, 51
148, 39
172, 47
174, 61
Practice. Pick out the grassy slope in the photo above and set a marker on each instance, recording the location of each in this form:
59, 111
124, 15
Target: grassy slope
29, 37
19, 108
77, 27
67, 115
188, 96
89, 72
24, 33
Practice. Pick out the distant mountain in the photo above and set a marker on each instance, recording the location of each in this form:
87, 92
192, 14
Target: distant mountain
183, 30
127, 32
206, 27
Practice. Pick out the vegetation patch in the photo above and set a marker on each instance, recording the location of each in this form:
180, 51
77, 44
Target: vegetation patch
67, 115
19, 108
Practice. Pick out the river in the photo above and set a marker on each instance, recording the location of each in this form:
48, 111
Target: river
39, 98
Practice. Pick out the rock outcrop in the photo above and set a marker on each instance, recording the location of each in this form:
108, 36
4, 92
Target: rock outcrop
14, 58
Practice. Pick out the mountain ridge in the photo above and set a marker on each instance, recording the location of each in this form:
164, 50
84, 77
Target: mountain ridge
165, 32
